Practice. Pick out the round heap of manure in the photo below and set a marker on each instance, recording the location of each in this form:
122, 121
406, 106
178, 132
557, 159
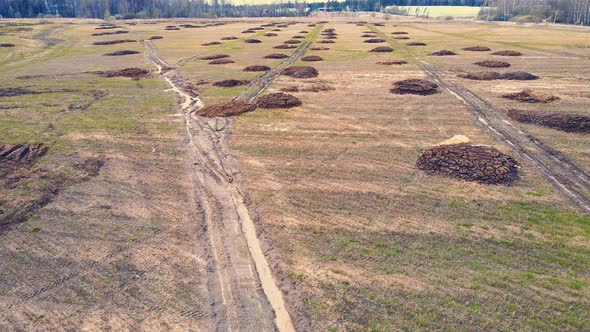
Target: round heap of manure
383, 49
518, 76
293, 41
230, 83
415, 86
416, 44
300, 72
482, 164
326, 41
231, 108
298, 37
312, 58
481, 75
320, 48
229, 38
507, 53
119, 53
477, 49
528, 96
221, 62
214, 57
443, 53
399, 33
374, 41
391, 62
284, 47
493, 64
211, 43
401, 37
276, 56
253, 41
278, 100
156, 37
257, 68
562, 121
368, 36
248, 31
270, 34
7, 45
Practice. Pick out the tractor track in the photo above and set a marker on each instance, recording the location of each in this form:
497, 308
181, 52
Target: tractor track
561, 172
243, 293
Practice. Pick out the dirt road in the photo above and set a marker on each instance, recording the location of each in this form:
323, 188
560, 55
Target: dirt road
243, 293
565, 176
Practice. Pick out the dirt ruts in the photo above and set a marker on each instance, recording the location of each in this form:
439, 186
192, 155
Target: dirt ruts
242, 290
563, 173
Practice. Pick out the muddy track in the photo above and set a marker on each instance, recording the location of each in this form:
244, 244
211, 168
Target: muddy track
243, 293
260, 83
561, 172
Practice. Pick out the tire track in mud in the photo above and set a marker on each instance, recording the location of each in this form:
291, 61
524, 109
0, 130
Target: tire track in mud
243, 293
561, 172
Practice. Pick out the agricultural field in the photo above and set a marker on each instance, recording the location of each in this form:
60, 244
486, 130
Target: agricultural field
279, 174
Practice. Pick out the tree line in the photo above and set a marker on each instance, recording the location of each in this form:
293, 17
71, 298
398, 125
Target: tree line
557, 11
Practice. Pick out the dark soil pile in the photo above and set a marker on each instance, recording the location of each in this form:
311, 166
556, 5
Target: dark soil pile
113, 42
382, 49
493, 64
211, 43
220, 62
518, 76
379, 24
298, 37
528, 96
284, 47
399, 33
134, 73
214, 57
374, 41
7, 45
276, 30
120, 53
229, 38
248, 31
171, 28
293, 41
507, 53
416, 44
230, 83
443, 53
12, 92
230, 108
253, 41
481, 75
368, 36
257, 68
330, 37
106, 27
562, 121
270, 34
391, 62
278, 100
156, 37
312, 58
326, 41
401, 37
256, 29
483, 164
276, 56
300, 72
21, 154
477, 49
415, 86
320, 48
303, 31
120, 32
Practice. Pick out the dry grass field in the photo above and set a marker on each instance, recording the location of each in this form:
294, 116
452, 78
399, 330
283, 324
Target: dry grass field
133, 218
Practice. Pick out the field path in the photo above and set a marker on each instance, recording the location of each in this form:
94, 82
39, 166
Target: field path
243, 293
563, 174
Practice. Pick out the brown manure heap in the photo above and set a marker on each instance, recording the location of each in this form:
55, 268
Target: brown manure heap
320, 48
220, 62
7, 45
230, 108
113, 42
477, 49
257, 68
133, 72
326, 41
368, 36
507, 53
401, 37
562, 121
482, 164
391, 62
230, 83
229, 38
120, 32
518, 76
493, 64
416, 44
312, 58
382, 49
298, 37
270, 34
415, 86
248, 31
528, 96
120, 53
276, 56
300, 72
211, 43
214, 57
253, 41
492, 75
21, 154
293, 41
284, 47
374, 41
443, 53
278, 100
171, 28
399, 33
156, 37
